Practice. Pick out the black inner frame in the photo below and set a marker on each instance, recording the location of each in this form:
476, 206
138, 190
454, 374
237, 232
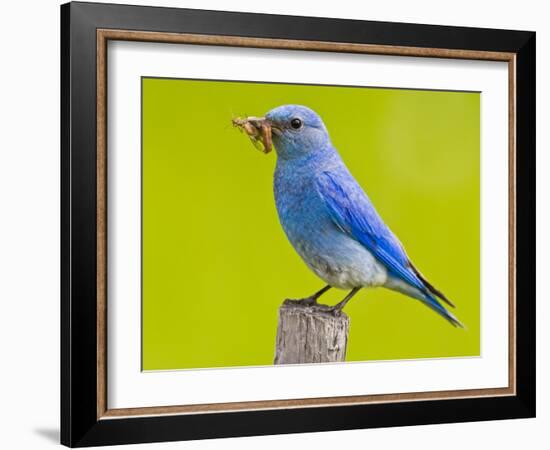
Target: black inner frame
79, 423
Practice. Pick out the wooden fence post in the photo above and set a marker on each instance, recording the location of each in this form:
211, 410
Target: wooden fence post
310, 334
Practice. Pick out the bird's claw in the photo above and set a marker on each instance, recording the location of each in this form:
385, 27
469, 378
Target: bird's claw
333, 310
308, 301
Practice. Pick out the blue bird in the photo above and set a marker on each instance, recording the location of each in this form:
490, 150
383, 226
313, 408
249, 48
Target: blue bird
328, 218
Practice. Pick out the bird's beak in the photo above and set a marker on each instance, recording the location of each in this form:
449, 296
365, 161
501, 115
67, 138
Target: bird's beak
259, 130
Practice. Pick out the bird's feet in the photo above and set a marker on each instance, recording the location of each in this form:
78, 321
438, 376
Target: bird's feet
308, 301
311, 302
335, 310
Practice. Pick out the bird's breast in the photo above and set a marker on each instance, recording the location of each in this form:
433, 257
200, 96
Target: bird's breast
331, 254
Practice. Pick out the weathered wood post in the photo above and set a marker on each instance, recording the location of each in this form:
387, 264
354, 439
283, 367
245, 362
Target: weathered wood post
310, 334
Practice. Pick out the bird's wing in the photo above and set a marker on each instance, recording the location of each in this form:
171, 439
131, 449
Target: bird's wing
352, 211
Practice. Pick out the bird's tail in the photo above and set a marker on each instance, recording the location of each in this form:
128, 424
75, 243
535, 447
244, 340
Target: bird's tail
431, 302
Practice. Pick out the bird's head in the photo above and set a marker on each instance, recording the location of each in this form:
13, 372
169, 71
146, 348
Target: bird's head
295, 131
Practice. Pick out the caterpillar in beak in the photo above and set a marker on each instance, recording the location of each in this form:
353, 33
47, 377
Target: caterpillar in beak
258, 129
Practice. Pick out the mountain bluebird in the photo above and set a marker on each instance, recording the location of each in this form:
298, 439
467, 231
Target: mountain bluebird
328, 218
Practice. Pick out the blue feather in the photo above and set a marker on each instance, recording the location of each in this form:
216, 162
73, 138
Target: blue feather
354, 214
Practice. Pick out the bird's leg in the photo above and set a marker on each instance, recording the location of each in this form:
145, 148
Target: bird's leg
312, 300
309, 301
337, 309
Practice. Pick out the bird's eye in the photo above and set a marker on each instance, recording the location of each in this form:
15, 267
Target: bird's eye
296, 123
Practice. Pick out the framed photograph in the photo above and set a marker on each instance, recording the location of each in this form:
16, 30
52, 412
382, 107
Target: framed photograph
276, 224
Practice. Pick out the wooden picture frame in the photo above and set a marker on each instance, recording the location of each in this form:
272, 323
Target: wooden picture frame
86, 418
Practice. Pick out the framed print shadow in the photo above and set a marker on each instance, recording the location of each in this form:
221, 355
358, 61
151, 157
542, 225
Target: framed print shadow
371, 265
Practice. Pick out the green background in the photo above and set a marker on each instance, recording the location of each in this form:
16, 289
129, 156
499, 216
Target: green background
216, 262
